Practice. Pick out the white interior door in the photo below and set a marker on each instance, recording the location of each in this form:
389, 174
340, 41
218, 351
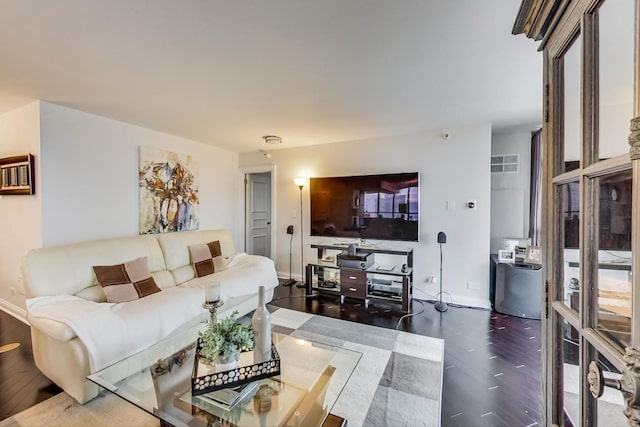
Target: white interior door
258, 225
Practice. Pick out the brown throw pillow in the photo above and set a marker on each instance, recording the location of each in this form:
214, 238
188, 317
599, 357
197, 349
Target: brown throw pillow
206, 258
126, 282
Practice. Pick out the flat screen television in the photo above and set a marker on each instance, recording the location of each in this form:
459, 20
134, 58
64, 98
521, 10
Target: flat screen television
377, 207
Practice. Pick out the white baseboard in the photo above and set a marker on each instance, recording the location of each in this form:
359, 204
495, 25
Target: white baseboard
13, 310
471, 301
285, 276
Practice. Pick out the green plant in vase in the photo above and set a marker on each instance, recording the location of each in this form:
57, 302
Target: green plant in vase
222, 341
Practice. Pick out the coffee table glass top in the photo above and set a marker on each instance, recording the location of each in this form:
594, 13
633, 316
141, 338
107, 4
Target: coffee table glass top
158, 380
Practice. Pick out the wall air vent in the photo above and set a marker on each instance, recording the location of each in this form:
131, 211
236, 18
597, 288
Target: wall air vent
505, 163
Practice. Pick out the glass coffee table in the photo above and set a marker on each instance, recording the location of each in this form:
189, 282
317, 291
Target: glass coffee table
158, 380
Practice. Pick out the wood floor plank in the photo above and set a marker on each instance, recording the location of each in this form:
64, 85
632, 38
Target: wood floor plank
22, 385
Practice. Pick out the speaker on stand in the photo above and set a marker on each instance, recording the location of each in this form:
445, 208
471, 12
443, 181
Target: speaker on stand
440, 305
290, 281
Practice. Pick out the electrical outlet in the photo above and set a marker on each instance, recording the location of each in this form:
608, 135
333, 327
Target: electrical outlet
290, 229
431, 279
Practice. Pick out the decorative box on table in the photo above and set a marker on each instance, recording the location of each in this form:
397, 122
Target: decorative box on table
244, 373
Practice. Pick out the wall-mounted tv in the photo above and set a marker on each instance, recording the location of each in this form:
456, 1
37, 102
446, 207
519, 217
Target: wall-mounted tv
377, 207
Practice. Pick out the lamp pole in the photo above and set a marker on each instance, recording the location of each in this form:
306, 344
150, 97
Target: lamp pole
300, 182
301, 284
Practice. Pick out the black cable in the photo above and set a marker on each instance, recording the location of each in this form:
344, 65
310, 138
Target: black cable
450, 304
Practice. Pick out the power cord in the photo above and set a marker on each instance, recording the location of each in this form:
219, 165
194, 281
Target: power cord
411, 314
429, 295
434, 299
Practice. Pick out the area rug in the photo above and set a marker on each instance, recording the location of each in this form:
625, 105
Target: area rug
397, 382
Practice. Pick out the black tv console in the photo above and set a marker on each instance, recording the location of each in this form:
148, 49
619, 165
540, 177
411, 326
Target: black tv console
382, 282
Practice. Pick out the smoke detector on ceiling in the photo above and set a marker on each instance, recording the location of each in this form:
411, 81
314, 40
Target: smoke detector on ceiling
272, 139
265, 153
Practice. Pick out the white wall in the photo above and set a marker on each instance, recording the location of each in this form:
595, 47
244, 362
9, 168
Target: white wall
510, 192
90, 176
87, 184
455, 170
21, 224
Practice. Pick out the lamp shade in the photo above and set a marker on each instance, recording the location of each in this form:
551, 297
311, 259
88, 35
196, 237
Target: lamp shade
300, 182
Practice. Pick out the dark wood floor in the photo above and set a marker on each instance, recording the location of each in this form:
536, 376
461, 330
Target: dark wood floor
21, 383
491, 363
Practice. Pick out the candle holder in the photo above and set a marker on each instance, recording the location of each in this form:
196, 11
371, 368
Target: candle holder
212, 306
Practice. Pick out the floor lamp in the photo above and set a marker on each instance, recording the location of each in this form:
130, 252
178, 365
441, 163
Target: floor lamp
301, 182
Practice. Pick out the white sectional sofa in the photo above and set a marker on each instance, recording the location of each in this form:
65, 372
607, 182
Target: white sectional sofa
76, 332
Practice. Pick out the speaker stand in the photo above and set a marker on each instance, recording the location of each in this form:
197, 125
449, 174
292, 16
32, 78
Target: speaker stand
440, 305
289, 281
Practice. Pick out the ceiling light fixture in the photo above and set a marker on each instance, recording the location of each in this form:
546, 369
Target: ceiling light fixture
272, 139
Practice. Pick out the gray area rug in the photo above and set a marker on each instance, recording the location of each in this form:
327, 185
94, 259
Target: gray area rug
398, 381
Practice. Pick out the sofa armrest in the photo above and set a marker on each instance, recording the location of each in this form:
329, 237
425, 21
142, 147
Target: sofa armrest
56, 330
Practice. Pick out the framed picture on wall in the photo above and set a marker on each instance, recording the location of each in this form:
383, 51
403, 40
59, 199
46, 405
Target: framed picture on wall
17, 176
506, 255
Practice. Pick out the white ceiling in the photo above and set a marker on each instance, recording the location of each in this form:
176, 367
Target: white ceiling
311, 71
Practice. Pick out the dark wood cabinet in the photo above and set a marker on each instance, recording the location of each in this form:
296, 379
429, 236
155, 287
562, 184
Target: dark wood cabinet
353, 283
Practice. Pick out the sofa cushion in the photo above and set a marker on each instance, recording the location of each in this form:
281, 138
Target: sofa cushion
67, 269
206, 258
127, 281
175, 247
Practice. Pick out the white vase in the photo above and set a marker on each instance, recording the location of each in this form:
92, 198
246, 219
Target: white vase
261, 324
223, 364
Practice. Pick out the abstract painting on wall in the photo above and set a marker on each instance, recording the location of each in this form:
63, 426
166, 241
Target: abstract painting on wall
168, 184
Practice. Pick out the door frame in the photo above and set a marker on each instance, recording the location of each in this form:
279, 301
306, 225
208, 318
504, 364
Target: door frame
578, 19
243, 172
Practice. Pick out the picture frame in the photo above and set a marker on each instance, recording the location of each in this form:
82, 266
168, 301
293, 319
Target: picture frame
510, 243
520, 251
17, 175
533, 255
506, 255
